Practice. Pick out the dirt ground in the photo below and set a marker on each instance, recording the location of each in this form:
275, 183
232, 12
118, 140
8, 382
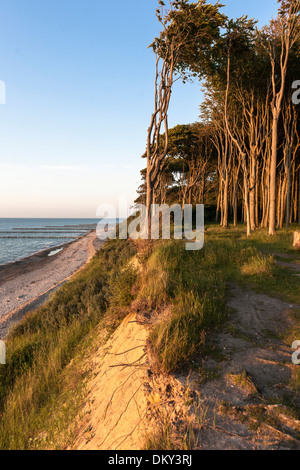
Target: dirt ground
114, 414
244, 401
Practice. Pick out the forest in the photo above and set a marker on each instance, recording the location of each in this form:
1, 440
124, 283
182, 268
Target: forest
241, 159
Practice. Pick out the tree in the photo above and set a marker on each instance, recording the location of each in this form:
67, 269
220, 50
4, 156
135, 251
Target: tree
188, 31
228, 158
278, 39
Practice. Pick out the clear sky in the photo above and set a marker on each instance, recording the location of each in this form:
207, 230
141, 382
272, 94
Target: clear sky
79, 81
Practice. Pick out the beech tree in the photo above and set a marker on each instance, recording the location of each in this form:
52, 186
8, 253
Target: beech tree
227, 160
188, 30
278, 39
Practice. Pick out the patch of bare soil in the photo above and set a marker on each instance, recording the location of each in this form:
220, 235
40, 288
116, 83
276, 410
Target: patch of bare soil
115, 408
236, 396
285, 261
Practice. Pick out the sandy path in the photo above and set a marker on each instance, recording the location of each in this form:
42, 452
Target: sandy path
114, 413
26, 285
287, 264
239, 399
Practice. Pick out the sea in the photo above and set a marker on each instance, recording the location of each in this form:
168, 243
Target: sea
20, 238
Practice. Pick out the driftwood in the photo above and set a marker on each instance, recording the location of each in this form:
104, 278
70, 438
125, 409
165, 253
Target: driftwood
296, 243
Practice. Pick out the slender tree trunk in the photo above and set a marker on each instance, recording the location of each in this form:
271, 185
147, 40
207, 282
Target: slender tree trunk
218, 207
252, 198
273, 172
225, 201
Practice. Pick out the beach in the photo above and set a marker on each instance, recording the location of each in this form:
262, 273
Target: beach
26, 284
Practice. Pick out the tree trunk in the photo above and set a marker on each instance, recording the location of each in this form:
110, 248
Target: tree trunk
252, 198
273, 171
225, 202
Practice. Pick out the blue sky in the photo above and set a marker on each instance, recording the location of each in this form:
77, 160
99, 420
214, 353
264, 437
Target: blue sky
79, 81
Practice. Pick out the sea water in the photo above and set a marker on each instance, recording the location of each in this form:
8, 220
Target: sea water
20, 238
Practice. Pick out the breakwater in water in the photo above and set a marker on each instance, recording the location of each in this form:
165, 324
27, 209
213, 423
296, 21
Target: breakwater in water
20, 238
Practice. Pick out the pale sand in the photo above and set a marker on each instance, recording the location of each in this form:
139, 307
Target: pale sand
27, 284
113, 417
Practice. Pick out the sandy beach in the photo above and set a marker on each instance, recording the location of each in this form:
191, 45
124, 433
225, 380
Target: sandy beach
25, 285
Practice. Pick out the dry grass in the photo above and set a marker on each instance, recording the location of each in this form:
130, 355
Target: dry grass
197, 293
179, 434
243, 381
259, 265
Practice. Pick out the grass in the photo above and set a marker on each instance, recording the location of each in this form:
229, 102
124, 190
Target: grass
197, 295
42, 385
38, 377
253, 264
243, 381
195, 284
289, 336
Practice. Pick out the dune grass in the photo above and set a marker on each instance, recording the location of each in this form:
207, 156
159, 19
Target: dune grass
42, 346
196, 289
195, 284
259, 265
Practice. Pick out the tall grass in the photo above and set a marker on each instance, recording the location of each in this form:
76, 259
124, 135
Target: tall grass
195, 284
42, 346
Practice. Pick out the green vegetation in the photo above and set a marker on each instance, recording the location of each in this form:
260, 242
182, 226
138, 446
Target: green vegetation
195, 284
42, 386
258, 265
38, 376
256, 252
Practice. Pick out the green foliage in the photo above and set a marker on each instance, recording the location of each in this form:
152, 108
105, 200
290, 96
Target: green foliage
40, 348
195, 285
196, 290
121, 287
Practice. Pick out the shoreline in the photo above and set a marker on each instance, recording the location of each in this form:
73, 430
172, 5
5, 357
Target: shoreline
27, 284
46, 250
33, 259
